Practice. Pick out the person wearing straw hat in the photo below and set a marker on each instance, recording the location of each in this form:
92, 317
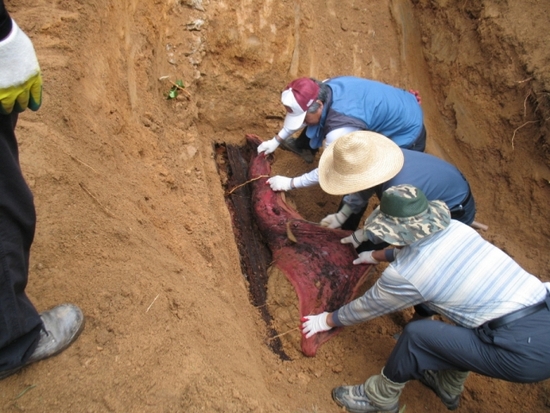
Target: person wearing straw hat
337, 106
499, 314
364, 163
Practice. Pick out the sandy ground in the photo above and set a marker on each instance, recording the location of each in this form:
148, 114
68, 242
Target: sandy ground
132, 220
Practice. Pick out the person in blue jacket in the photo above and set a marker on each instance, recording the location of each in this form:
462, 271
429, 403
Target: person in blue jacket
26, 336
364, 163
361, 164
340, 105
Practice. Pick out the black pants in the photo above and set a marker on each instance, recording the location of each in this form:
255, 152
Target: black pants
20, 323
518, 352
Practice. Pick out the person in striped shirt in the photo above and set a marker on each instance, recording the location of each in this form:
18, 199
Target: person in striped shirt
498, 313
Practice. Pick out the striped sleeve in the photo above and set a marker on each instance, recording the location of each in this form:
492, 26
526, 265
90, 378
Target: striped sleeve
391, 293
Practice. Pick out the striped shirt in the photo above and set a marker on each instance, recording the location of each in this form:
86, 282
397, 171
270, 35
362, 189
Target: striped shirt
456, 273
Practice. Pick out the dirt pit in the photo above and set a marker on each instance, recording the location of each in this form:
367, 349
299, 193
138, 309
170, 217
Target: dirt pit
132, 221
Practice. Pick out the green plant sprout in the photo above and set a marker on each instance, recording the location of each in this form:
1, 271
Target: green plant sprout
176, 87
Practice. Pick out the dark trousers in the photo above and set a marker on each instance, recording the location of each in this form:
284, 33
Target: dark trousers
20, 323
518, 352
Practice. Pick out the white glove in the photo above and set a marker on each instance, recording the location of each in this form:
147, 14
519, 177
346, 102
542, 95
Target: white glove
20, 78
356, 238
280, 183
313, 324
269, 146
366, 258
334, 220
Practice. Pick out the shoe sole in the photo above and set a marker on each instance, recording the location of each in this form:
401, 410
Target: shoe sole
348, 409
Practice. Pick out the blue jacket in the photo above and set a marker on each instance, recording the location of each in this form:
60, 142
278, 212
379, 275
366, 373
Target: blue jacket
438, 179
369, 105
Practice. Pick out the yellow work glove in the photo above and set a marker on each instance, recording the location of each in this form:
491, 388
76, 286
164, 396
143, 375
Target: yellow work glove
20, 78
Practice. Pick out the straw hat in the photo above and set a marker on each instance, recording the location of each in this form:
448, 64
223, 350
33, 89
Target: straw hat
358, 161
405, 216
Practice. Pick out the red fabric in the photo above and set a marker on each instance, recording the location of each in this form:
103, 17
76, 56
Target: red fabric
318, 266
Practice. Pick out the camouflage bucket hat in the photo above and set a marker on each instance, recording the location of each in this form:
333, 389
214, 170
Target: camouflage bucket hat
405, 216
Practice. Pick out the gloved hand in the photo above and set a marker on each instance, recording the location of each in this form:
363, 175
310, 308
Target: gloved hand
334, 220
20, 78
416, 94
279, 183
313, 324
269, 146
356, 238
366, 258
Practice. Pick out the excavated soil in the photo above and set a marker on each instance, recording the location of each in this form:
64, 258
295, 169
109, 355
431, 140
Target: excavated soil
132, 221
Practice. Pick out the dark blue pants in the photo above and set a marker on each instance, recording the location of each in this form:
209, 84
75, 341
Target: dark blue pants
20, 323
518, 352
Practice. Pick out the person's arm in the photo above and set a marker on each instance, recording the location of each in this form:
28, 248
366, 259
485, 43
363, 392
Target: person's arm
308, 179
336, 133
283, 183
358, 200
20, 77
271, 145
391, 293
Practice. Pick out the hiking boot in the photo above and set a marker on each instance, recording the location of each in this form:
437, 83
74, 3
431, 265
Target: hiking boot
355, 400
431, 380
307, 154
61, 327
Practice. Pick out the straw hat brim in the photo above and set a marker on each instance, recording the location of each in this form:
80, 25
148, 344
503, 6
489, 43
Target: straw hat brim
383, 160
405, 231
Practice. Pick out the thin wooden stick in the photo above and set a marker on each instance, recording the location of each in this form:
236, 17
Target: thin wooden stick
150, 305
518, 128
525, 104
524, 80
243, 184
74, 158
176, 85
180, 88
479, 225
96, 200
32, 386
282, 334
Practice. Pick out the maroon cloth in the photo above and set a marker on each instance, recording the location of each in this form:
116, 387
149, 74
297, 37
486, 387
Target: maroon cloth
318, 265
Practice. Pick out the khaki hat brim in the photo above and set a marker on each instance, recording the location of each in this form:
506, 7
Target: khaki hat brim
382, 159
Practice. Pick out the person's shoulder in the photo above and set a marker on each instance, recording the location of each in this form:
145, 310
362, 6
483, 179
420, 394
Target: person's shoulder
423, 157
458, 230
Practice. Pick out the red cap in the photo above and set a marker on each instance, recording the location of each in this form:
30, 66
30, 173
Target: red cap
298, 96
